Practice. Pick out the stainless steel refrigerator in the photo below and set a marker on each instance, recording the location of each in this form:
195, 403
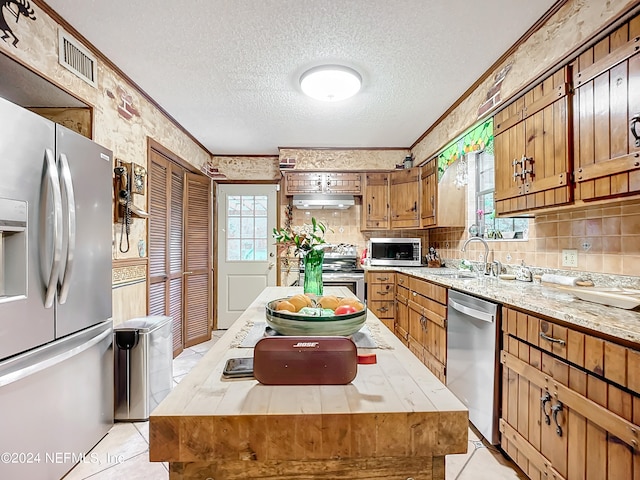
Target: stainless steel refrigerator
56, 354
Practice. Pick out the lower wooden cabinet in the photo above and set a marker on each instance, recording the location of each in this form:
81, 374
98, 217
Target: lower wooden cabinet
402, 308
427, 308
381, 296
570, 401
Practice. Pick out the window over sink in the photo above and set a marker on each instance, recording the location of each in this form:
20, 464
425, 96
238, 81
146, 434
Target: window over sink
476, 170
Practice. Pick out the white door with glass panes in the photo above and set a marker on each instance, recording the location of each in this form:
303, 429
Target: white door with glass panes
246, 249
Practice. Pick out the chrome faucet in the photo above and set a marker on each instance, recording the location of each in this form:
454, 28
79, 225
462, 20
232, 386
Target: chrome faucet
487, 265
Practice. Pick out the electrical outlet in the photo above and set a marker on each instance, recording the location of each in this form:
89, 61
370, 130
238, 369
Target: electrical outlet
569, 258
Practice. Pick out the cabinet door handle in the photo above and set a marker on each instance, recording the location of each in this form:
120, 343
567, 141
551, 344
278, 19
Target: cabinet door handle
555, 409
551, 339
369, 208
383, 309
524, 165
380, 292
382, 279
544, 399
632, 125
401, 281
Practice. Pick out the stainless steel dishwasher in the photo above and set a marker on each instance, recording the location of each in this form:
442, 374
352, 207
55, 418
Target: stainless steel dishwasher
472, 359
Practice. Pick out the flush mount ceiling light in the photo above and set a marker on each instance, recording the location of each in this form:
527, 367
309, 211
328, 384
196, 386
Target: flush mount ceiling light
330, 83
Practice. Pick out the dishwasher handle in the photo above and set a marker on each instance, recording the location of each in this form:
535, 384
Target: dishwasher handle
472, 312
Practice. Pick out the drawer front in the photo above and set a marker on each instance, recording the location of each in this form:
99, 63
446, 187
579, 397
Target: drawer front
381, 309
402, 280
429, 290
402, 294
616, 363
381, 292
381, 277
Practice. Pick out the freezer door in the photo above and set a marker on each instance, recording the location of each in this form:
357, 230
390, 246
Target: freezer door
56, 403
84, 293
25, 139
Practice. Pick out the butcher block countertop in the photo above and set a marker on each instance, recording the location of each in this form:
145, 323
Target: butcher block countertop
394, 421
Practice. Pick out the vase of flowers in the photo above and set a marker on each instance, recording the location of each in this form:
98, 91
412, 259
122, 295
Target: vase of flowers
309, 243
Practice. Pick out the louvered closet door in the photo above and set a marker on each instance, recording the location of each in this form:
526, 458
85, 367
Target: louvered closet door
176, 258
197, 229
159, 187
166, 256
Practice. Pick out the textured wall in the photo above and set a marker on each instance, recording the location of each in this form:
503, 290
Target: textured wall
243, 168
329, 159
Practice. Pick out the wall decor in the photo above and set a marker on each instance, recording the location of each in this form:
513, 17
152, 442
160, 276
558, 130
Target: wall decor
15, 8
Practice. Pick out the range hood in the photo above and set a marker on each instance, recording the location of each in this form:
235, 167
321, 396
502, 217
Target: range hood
318, 201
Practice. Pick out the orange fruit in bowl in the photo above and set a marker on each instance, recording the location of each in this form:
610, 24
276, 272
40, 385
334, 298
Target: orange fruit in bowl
300, 301
297, 302
286, 305
354, 302
329, 301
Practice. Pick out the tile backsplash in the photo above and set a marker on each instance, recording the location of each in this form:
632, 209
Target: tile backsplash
345, 226
607, 238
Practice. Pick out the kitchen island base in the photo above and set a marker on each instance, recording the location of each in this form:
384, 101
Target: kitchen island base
384, 468
394, 421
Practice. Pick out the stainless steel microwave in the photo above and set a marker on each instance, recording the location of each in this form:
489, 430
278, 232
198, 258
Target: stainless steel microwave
395, 251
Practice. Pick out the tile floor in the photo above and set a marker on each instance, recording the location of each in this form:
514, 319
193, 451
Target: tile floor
125, 449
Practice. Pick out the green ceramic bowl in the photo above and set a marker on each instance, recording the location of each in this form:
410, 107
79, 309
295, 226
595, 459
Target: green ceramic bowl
287, 323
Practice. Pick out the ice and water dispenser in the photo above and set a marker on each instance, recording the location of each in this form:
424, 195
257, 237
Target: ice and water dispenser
13, 248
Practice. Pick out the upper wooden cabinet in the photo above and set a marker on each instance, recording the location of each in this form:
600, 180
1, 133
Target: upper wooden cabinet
532, 151
429, 199
606, 80
404, 198
375, 201
451, 211
319, 182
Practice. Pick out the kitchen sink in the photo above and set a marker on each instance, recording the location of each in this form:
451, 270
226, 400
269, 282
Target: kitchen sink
455, 274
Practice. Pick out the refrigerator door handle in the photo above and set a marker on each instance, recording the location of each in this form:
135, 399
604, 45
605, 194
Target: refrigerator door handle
67, 183
54, 184
51, 361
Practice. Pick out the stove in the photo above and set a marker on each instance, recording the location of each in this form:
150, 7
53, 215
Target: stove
340, 269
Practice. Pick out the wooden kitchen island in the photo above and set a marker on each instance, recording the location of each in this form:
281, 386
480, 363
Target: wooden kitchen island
394, 421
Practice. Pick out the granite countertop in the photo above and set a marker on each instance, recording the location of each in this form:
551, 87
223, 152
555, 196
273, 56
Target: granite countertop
534, 297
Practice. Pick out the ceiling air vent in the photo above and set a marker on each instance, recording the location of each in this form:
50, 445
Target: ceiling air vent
77, 59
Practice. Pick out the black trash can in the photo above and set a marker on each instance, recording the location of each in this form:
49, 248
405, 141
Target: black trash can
143, 355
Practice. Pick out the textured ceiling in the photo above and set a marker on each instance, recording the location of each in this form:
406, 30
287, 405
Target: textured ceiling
228, 70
